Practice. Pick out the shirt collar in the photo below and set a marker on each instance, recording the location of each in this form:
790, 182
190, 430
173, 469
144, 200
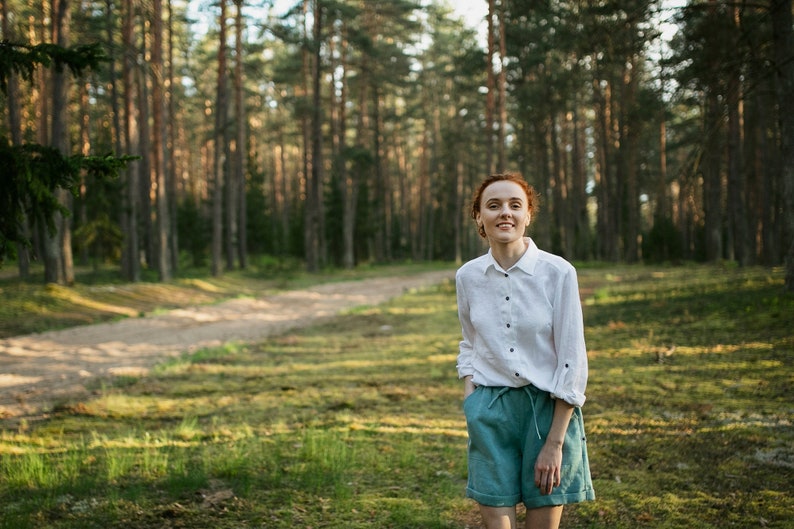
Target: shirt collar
525, 264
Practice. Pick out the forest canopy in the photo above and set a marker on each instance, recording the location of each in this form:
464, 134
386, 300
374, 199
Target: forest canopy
339, 132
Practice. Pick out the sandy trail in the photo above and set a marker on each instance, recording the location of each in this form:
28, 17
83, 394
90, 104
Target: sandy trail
38, 371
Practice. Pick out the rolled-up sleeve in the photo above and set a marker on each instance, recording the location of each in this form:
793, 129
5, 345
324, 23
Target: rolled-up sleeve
570, 377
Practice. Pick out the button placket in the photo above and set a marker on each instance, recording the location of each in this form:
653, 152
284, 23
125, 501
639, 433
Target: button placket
508, 292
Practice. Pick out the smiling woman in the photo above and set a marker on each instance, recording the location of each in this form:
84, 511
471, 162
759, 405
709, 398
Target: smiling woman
524, 365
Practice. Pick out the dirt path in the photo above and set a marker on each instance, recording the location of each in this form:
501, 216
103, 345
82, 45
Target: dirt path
38, 371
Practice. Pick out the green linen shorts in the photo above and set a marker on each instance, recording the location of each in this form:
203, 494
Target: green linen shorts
507, 428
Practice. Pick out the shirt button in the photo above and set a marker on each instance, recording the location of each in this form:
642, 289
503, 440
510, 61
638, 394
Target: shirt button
506, 274
512, 350
507, 298
517, 375
508, 325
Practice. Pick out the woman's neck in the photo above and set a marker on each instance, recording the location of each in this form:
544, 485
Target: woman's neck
508, 254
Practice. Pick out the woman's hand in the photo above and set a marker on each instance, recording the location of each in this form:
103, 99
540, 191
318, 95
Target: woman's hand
548, 467
468, 386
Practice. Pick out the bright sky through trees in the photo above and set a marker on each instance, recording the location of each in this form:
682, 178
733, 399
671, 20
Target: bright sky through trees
473, 12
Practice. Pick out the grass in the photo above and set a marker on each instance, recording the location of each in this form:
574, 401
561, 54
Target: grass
357, 423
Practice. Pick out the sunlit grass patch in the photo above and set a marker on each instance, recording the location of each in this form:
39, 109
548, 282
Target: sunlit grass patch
691, 377
357, 423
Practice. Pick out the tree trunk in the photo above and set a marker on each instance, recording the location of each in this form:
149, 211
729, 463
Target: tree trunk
661, 211
629, 139
381, 241
712, 178
490, 90
501, 158
220, 151
314, 199
85, 150
348, 180
578, 192
145, 150
459, 201
170, 149
240, 142
543, 229
783, 42
362, 166
118, 132
605, 227
309, 235
158, 144
736, 187
766, 178
559, 234
58, 264
130, 259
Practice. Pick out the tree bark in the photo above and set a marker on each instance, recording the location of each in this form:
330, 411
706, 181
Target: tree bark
220, 150
170, 149
783, 41
501, 157
58, 263
314, 203
605, 227
240, 142
736, 186
348, 180
712, 178
158, 144
629, 139
145, 150
490, 90
131, 270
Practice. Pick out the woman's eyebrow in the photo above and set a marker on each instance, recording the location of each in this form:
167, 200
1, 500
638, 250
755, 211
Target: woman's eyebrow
511, 199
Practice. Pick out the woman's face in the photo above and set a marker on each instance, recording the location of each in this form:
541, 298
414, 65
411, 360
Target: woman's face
504, 212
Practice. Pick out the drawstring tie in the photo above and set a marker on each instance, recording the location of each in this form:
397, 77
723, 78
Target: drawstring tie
528, 391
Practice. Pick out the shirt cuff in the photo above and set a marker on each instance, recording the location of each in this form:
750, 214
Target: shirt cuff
465, 371
572, 398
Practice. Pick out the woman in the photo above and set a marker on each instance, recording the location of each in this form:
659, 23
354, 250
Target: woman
524, 365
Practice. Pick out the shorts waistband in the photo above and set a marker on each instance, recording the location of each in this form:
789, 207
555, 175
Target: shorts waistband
530, 390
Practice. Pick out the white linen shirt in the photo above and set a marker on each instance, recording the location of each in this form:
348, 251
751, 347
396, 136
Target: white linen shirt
523, 325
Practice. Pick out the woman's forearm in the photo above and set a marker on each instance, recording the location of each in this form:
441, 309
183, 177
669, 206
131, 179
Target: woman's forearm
559, 423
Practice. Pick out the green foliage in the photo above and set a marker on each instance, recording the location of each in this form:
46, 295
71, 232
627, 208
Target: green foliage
31, 177
32, 174
357, 423
102, 236
24, 59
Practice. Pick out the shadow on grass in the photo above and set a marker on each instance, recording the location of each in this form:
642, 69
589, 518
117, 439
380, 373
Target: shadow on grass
357, 423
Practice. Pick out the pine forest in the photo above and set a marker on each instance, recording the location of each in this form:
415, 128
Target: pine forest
168, 134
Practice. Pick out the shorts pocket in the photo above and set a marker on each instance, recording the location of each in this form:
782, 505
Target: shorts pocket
470, 398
